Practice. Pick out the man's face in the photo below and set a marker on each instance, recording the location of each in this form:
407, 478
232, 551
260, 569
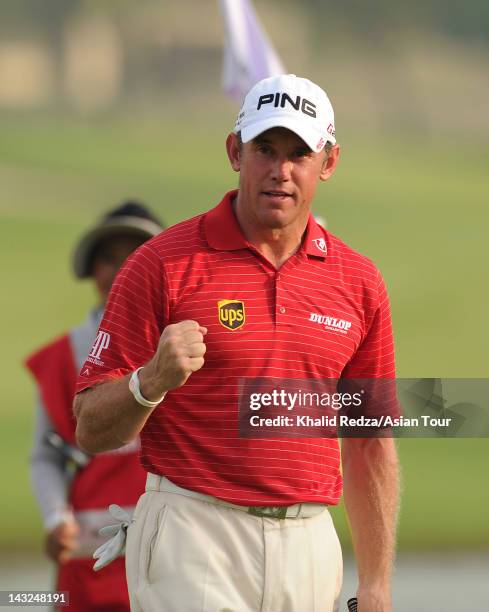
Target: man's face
278, 177
108, 259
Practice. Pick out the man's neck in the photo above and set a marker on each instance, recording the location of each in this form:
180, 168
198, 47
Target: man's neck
276, 250
277, 245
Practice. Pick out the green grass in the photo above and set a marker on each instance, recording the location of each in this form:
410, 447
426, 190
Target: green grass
419, 211
444, 497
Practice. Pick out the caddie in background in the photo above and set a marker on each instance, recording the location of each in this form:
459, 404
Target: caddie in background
74, 489
238, 293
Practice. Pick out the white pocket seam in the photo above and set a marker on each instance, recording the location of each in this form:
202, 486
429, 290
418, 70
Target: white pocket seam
155, 538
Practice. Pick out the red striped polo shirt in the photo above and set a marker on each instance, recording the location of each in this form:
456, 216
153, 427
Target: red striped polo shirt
184, 273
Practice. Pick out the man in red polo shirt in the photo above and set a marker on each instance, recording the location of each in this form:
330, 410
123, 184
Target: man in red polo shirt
252, 289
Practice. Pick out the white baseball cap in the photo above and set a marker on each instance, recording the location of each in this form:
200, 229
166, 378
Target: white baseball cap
291, 102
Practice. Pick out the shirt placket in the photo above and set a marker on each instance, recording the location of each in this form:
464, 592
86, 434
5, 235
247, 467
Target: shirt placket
282, 299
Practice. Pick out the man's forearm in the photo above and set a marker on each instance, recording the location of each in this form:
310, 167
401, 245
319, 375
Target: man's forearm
371, 476
108, 416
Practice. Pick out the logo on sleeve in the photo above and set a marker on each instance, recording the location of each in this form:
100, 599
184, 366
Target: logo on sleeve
231, 314
102, 342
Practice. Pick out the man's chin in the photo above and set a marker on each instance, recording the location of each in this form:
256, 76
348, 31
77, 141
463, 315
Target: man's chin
275, 220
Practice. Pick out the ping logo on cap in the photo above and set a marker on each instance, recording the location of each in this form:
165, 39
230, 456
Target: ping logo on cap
231, 314
280, 99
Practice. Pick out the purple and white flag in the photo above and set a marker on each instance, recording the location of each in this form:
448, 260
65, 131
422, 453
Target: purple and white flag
248, 53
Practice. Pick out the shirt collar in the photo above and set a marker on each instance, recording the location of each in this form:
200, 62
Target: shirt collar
223, 233
315, 239
221, 227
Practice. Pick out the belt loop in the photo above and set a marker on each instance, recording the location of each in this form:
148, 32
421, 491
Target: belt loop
153, 482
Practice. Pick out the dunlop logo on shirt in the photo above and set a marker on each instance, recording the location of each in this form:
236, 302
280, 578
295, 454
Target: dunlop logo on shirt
231, 314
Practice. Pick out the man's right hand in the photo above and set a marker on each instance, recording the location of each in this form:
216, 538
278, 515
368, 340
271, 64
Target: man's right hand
62, 541
106, 414
180, 352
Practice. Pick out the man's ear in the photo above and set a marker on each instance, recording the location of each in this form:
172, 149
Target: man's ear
329, 165
234, 151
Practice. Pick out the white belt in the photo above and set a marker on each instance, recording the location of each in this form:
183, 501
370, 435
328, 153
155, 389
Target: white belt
303, 510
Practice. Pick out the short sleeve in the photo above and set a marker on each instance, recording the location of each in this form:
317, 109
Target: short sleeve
135, 315
374, 357
372, 367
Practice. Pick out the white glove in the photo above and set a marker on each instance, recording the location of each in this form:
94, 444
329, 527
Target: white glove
116, 546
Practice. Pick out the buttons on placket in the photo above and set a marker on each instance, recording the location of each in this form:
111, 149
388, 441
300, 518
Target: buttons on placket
280, 307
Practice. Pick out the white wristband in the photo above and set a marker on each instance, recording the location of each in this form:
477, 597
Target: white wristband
136, 391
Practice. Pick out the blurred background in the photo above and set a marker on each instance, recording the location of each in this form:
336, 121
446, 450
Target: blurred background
102, 100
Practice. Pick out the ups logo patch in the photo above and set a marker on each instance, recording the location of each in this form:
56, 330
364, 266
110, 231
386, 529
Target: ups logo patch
231, 314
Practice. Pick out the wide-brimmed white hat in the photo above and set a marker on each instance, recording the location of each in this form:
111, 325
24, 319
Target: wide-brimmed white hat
291, 102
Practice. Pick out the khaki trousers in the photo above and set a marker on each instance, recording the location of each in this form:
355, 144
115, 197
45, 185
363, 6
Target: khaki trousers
188, 555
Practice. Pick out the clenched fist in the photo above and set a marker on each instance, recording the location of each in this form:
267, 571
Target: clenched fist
180, 352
